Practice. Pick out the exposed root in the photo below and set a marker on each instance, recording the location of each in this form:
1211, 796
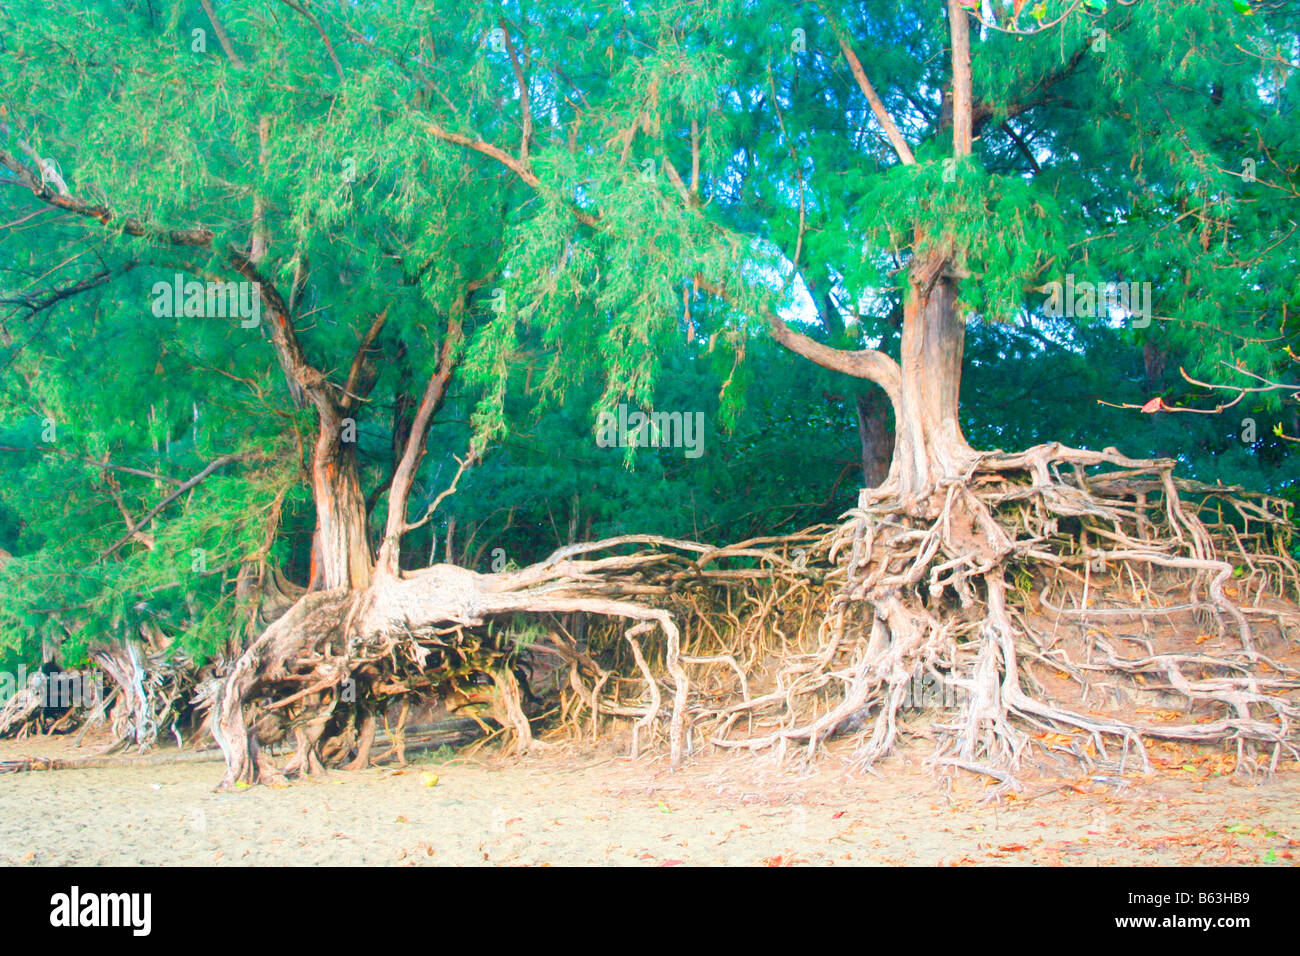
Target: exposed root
999, 593
412, 632
146, 694
922, 588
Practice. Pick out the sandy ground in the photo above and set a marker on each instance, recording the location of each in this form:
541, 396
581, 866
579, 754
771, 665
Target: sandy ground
567, 809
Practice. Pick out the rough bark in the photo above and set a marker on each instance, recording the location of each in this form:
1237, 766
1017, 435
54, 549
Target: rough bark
340, 550
929, 444
399, 492
875, 437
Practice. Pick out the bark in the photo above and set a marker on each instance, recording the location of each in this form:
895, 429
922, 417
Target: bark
929, 444
341, 555
399, 492
962, 118
875, 438
878, 109
340, 551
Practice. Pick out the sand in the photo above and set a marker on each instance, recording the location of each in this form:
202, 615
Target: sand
601, 809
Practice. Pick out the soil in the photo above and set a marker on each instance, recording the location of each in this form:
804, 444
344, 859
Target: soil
596, 807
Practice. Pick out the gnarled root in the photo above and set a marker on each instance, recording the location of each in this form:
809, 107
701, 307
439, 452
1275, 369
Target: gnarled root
413, 633
1067, 603
921, 588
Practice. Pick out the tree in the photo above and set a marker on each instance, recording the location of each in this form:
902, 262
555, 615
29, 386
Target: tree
324, 132
290, 186
595, 205
1060, 161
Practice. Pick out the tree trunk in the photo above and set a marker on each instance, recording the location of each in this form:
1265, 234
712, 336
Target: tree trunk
929, 444
875, 437
340, 552
399, 490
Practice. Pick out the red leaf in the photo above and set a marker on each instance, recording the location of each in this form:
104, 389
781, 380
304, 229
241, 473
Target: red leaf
1155, 405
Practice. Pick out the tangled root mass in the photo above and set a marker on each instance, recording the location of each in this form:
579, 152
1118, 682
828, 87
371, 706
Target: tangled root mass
1064, 603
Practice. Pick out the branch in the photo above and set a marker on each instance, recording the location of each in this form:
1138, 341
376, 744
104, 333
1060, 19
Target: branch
871, 364
962, 119
128, 225
1023, 146
798, 171
49, 171
523, 93
329, 47
399, 493
98, 464
1158, 404
258, 241
224, 40
284, 338
675, 178
37, 303
521, 170
464, 463
353, 386
180, 490
487, 149
877, 106
982, 112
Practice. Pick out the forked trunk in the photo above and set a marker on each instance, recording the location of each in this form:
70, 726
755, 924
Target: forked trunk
399, 492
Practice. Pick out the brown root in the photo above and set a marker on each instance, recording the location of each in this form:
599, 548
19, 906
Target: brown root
401, 624
1004, 587
146, 695
922, 587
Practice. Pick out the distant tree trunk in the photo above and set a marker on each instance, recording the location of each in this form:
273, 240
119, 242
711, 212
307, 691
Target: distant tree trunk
1154, 359
875, 437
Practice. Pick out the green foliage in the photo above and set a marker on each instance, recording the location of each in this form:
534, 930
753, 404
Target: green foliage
674, 146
